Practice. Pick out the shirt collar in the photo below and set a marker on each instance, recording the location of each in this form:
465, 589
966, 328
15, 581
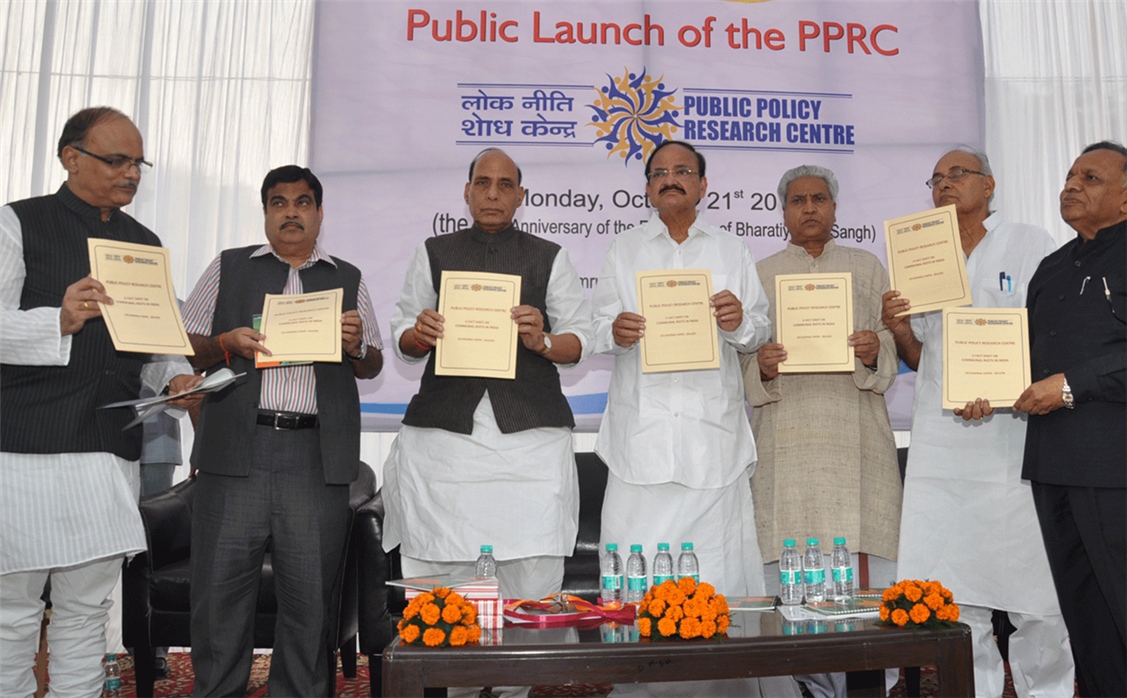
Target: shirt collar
658, 227
505, 235
317, 256
800, 251
74, 203
992, 221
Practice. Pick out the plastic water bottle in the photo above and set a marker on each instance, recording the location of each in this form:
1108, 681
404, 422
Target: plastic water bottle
486, 566
687, 565
814, 572
611, 573
637, 583
663, 564
790, 574
841, 562
112, 686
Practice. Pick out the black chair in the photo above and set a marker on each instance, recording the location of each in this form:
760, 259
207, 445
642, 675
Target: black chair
379, 604
155, 584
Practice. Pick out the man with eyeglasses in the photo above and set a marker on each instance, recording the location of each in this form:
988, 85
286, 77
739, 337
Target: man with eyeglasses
489, 460
69, 478
968, 517
678, 444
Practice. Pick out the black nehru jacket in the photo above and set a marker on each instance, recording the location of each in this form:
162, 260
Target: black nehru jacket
224, 441
53, 409
534, 399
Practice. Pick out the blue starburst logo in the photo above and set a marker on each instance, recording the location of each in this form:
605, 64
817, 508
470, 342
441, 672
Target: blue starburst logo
634, 114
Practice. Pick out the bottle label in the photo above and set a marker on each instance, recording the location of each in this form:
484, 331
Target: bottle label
843, 574
113, 683
815, 576
636, 584
612, 581
696, 577
789, 577
659, 578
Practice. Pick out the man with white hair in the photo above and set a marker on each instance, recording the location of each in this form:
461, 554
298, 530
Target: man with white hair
969, 519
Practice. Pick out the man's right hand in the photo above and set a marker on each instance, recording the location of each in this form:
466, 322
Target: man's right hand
769, 357
891, 305
627, 329
80, 303
244, 342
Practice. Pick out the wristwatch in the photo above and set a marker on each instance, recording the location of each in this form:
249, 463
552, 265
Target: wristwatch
547, 345
1066, 394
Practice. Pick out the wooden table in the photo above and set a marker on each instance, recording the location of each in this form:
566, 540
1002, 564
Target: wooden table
758, 644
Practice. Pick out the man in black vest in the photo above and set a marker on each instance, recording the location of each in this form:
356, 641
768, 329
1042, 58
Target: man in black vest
274, 453
1075, 446
489, 460
69, 477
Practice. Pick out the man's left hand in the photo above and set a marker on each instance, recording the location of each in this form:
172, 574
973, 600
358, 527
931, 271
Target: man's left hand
183, 383
866, 346
1042, 397
351, 333
728, 310
530, 326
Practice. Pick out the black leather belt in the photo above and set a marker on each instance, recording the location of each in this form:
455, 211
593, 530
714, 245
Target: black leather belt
287, 420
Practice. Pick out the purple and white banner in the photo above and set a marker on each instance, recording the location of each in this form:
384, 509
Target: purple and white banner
579, 93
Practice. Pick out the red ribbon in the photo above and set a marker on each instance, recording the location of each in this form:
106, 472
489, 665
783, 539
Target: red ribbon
586, 612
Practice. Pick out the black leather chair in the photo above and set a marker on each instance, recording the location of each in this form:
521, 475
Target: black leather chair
379, 603
155, 584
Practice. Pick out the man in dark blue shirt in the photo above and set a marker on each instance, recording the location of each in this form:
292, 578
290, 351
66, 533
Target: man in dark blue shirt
1076, 443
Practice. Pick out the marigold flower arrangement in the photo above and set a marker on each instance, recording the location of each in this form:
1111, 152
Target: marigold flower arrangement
440, 618
682, 610
918, 604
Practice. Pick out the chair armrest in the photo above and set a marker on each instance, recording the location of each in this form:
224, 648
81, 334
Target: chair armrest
373, 570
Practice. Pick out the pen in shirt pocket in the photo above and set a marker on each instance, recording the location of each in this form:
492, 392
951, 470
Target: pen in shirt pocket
1005, 282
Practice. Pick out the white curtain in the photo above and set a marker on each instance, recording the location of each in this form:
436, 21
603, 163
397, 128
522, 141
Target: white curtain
1056, 81
219, 89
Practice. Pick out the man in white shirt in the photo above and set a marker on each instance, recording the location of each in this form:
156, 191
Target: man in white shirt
678, 444
69, 478
968, 518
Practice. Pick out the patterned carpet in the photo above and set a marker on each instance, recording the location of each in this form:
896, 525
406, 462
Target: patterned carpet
180, 681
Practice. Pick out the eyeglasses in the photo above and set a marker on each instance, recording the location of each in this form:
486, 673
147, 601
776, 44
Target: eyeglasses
954, 175
679, 173
118, 162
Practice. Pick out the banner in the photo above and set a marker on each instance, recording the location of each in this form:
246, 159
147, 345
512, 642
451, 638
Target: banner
579, 93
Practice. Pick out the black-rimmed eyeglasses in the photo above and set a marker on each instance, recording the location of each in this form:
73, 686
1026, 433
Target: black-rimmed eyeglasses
954, 175
118, 162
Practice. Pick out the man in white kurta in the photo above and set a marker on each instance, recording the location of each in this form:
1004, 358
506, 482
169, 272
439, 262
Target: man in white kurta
968, 518
447, 493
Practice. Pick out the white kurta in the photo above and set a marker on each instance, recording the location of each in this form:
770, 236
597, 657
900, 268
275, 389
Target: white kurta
678, 444
968, 518
447, 494
58, 510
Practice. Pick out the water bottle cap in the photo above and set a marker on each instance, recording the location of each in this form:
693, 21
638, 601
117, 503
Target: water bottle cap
663, 546
612, 546
686, 546
839, 541
487, 548
811, 541
111, 657
636, 548
788, 543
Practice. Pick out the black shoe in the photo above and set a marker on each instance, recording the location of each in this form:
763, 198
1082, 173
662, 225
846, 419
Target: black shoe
160, 668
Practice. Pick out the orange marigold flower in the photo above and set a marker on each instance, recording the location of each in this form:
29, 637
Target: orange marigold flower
687, 585
675, 613
674, 596
722, 623
469, 614
913, 593
705, 591
645, 626
400, 624
441, 592
890, 594
953, 612
666, 626
934, 601
884, 612
412, 609
433, 637
719, 603
430, 613
900, 616
692, 608
943, 613
409, 633
424, 598
454, 598
458, 635
474, 633
707, 628
919, 613
452, 614
708, 612
656, 608
690, 627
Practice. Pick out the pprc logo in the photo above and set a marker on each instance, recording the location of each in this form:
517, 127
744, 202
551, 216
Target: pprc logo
634, 113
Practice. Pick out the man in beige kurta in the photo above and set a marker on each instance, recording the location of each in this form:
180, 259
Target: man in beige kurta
827, 459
